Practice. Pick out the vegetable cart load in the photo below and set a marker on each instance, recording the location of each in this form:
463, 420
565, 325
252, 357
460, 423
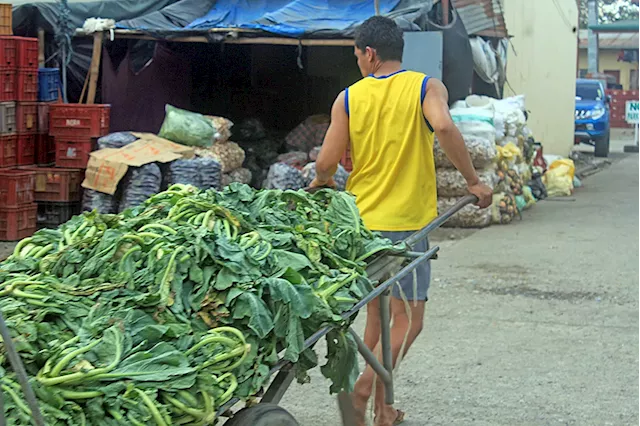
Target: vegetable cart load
170, 312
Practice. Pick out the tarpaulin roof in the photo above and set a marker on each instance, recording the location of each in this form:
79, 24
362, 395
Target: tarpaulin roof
297, 18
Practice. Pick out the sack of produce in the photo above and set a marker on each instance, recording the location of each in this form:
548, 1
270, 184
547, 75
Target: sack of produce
116, 140
313, 154
187, 128
452, 184
210, 173
482, 151
223, 128
341, 176
99, 201
283, 176
165, 313
503, 208
139, 184
296, 159
309, 133
240, 175
182, 171
229, 155
250, 129
476, 122
469, 217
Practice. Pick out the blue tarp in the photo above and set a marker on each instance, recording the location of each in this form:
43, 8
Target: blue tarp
290, 18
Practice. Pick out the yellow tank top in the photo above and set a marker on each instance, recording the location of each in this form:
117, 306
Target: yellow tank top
393, 175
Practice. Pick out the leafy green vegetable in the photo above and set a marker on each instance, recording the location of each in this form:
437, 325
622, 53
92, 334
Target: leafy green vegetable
162, 314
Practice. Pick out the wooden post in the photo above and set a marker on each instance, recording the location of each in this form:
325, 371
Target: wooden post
445, 13
41, 48
94, 70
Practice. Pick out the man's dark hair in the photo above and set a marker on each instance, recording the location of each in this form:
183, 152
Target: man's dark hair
383, 35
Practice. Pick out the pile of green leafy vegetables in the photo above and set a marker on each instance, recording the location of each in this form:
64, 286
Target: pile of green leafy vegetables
164, 313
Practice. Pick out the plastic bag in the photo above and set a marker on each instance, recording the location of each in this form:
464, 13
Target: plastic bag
452, 184
240, 175
116, 140
187, 128
476, 122
99, 201
139, 184
283, 176
309, 133
538, 190
482, 151
340, 178
229, 155
558, 178
469, 217
529, 199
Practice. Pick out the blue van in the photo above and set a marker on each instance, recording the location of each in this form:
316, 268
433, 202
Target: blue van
592, 116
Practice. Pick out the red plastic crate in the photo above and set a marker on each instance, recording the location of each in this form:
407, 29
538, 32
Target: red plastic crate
7, 84
8, 151
73, 153
8, 52
56, 184
26, 150
16, 187
78, 121
27, 53
17, 223
26, 85
43, 116
45, 149
27, 117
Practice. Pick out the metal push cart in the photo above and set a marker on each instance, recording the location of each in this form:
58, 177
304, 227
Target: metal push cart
267, 412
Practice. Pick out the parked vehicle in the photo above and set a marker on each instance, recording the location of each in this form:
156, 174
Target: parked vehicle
592, 116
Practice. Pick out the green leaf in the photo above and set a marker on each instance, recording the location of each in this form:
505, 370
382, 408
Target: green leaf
342, 361
300, 297
248, 305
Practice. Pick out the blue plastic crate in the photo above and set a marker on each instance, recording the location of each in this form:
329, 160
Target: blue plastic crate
48, 84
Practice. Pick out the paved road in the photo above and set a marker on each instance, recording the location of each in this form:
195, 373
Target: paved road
535, 323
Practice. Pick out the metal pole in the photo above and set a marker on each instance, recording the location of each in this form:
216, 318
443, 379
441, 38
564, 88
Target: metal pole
592, 46
445, 13
18, 368
376, 3
64, 74
385, 342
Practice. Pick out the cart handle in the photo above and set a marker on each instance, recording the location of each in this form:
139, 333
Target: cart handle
440, 220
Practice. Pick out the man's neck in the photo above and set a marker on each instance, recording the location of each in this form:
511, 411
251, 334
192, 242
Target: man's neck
386, 68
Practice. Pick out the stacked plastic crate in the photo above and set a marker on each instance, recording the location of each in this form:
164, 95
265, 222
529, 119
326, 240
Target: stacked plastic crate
18, 123
17, 210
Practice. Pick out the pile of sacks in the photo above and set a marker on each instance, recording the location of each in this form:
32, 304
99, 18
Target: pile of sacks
502, 150
296, 168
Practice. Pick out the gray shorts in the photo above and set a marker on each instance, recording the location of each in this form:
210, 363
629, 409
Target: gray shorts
422, 272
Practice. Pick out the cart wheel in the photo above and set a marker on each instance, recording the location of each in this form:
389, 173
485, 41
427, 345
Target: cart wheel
263, 415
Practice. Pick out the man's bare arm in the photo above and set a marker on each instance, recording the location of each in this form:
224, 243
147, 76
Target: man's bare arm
335, 143
436, 110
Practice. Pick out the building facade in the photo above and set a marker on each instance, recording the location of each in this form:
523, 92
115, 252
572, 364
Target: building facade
541, 65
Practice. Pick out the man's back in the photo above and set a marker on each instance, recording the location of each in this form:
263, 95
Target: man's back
393, 174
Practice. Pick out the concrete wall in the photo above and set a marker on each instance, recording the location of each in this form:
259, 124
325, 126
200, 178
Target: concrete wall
608, 60
543, 67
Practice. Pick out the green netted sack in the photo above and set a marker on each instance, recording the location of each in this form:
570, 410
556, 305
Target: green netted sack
187, 128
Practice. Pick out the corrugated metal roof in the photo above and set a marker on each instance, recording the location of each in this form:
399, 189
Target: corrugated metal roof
482, 17
612, 40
